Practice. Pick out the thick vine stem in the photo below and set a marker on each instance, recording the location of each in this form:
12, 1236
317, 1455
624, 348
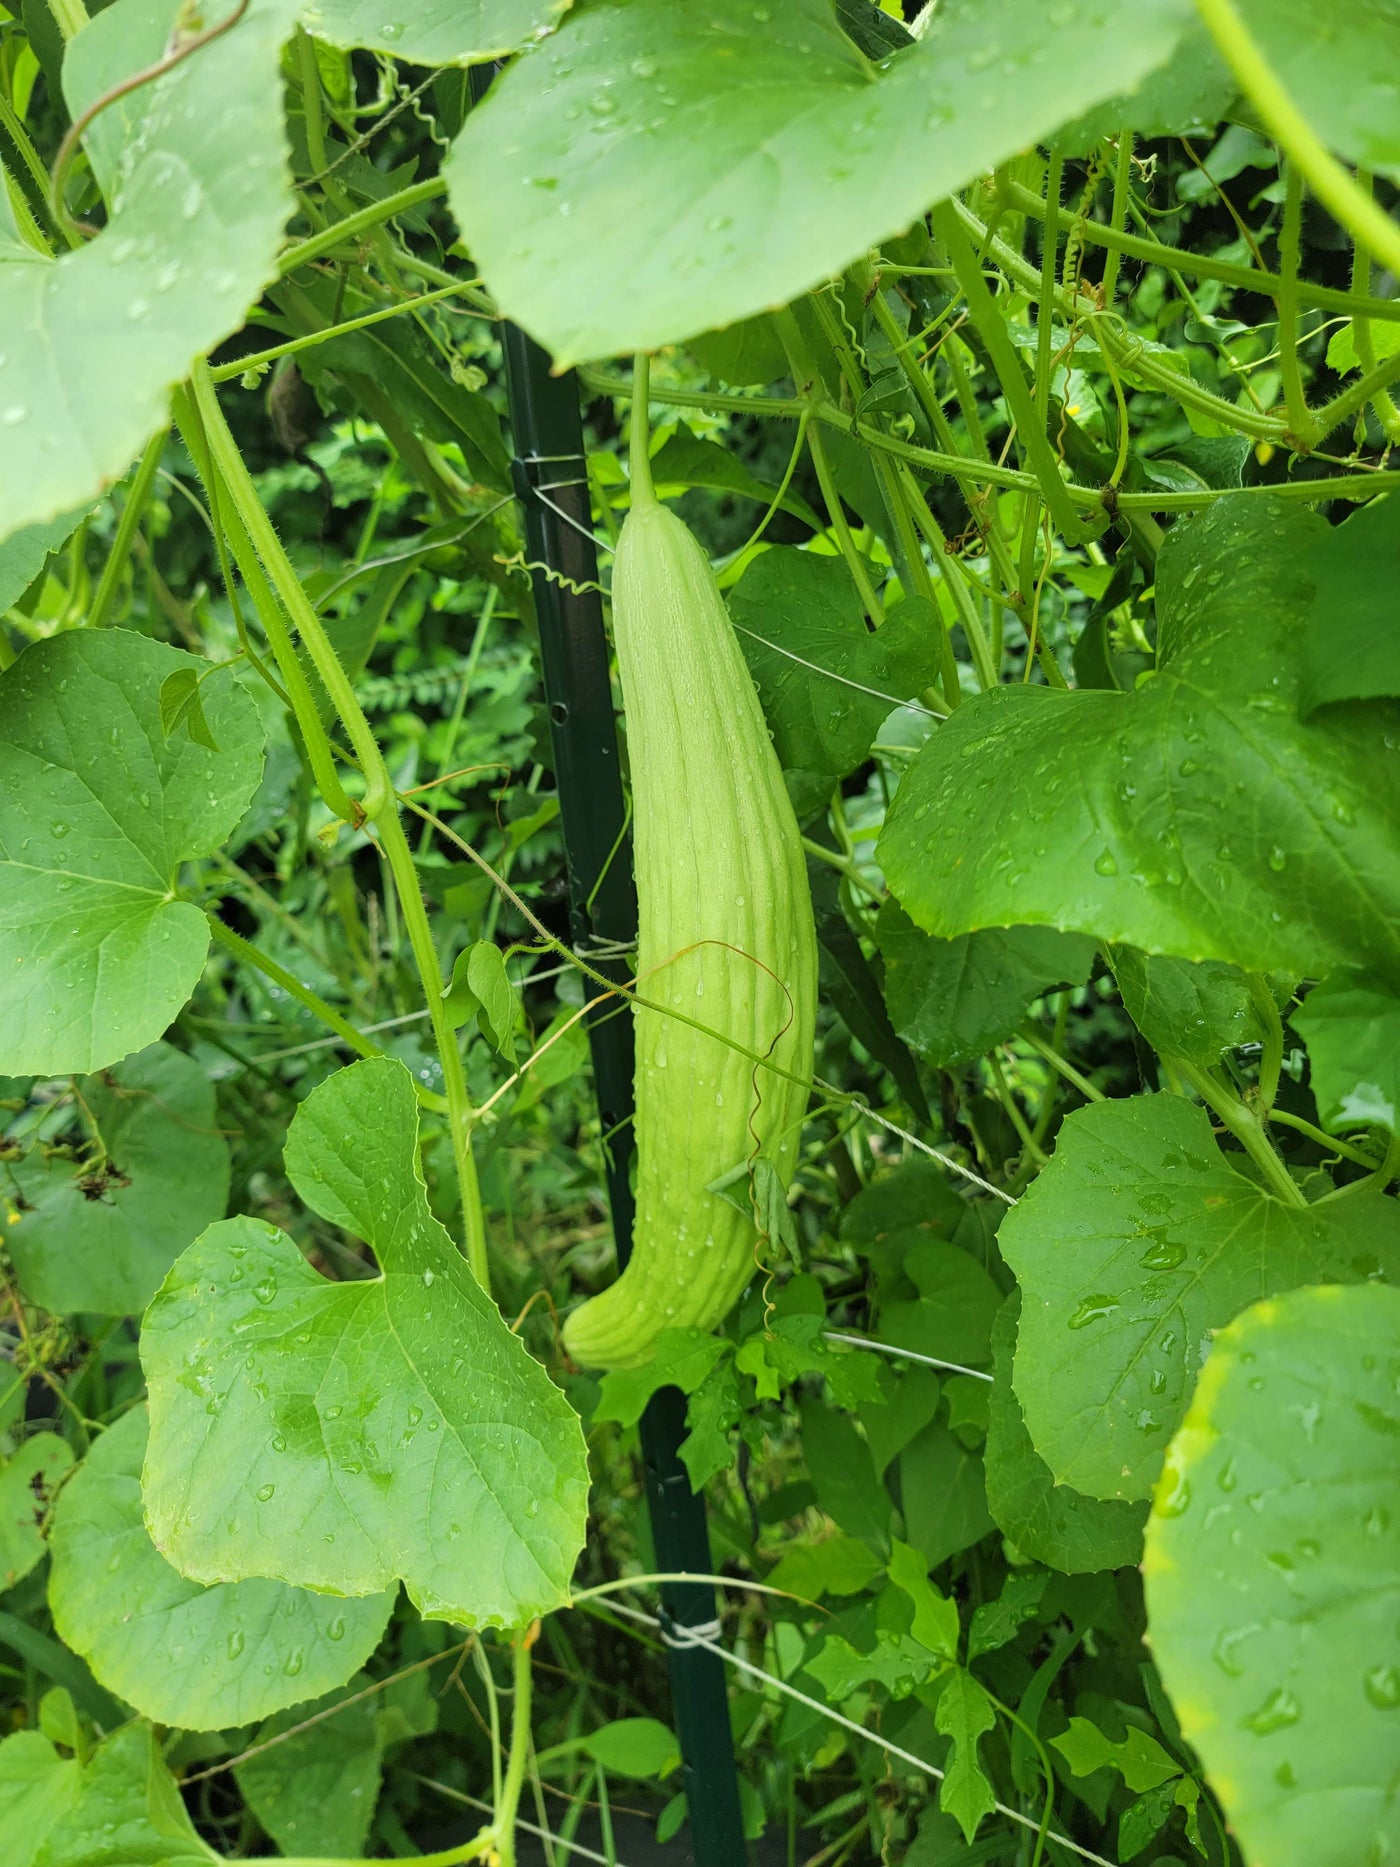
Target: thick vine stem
233, 471
1246, 1127
1020, 402
380, 805
807, 381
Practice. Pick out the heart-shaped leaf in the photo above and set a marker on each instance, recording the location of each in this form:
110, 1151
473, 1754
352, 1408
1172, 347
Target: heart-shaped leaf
195, 173
651, 172
97, 951
341, 1436
1199, 815
1133, 1245
203, 1658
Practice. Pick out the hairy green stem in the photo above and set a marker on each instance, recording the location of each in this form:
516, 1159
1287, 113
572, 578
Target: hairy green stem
1386, 411
235, 477
509, 1801
1289, 247
136, 498
639, 434
460, 1116
1271, 1060
991, 327
261, 358
229, 524
807, 381
355, 224
1118, 214
1154, 252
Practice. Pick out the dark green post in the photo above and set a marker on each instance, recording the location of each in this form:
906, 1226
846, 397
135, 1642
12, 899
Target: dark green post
551, 484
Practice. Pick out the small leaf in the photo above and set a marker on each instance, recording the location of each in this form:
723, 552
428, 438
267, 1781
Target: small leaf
1351, 1025
908, 1401
127, 1810
935, 1624
201, 1658
1139, 1759
711, 1416
28, 1485
898, 1663
1191, 1009
24, 553
481, 987
101, 1240
964, 1713
994, 1623
317, 1788
1273, 1570
952, 1316
1144, 1819
944, 1493
338, 1436
36, 1787
952, 1000
683, 1358
636, 1747
180, 705
843, 1472
825, 681
838, 1565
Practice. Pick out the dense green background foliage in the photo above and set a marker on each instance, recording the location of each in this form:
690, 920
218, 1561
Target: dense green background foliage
1025, 371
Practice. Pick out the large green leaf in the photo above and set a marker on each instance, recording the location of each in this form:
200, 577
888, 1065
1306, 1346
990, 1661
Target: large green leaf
342, 1435
825, 681
98, 809
81, 1245
1343, 71
127, 1812
1352, 649
316, 1789
1052, 1523
952, 1000
1273, 1577
1134, 1243
651, 172
1352, 1029
195, 171
1198, 815
36, 1786
27, 1483
202, 1658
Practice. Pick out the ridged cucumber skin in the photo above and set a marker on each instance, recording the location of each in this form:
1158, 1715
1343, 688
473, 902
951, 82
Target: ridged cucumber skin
718, 860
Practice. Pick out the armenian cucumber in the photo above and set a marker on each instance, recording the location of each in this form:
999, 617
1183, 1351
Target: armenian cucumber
726, 938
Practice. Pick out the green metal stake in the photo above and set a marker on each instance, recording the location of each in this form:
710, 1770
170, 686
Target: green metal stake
551, 482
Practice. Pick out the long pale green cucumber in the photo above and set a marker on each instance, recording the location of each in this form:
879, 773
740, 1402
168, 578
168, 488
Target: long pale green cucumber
726, 938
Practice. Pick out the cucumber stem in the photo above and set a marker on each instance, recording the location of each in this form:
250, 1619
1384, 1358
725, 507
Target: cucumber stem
639, 436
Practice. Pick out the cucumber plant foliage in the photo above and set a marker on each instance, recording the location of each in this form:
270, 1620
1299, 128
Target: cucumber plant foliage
989, 418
